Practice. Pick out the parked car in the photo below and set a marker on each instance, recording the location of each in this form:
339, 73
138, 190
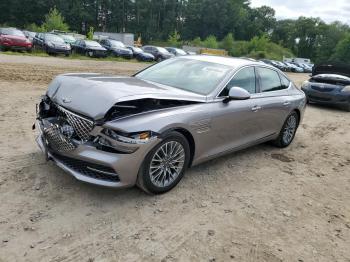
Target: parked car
280, 65
141, 55
116, 48
176, 51
89, 48
29, 35
51, 44
289, 68
295, 68
307, 68
68, 38
330, 85
14, 39
269, 62
149, 128
159, 53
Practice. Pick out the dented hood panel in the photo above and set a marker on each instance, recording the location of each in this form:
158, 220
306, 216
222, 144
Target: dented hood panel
93, 95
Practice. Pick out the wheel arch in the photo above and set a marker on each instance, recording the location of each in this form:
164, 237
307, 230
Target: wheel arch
189, 137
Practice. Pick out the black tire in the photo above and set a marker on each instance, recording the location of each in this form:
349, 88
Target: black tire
347, 108
144, 181
89, 54
159, 59
280, 141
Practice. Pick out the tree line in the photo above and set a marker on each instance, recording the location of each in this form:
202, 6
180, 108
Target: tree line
230, 24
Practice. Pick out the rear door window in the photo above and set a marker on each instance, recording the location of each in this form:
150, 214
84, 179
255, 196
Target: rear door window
269, 80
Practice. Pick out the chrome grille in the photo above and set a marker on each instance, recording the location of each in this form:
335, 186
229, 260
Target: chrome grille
56, 140
81, 125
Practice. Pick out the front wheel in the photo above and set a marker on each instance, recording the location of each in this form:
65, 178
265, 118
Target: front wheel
288, 131
165, 164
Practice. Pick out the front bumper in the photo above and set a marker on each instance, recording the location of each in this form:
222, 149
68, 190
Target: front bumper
24, 46
328, 98
88, 164
54, 50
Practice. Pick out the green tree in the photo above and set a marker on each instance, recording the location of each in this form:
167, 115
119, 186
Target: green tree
54, 21
211, 42
259, 43
174, 39
197, 42
342, 50
228, 42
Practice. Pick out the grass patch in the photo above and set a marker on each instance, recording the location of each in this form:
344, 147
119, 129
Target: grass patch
73, 56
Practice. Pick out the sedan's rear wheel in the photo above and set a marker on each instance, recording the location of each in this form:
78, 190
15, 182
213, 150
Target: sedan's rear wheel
288, 131
165, 164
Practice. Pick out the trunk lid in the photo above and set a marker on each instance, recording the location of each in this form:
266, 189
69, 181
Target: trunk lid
331, 69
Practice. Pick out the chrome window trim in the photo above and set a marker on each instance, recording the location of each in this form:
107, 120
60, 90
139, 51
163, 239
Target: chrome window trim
258, 94
232, 76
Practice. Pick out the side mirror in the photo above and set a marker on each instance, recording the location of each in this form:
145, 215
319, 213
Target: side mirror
237, 93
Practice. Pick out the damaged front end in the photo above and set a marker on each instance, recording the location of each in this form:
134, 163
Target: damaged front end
64, 130
89, 150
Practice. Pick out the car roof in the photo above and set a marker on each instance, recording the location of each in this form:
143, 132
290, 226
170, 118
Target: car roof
229, 61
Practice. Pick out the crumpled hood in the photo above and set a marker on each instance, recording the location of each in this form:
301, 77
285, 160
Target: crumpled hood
92, 95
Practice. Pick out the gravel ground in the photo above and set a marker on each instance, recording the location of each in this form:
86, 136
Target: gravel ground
260, 204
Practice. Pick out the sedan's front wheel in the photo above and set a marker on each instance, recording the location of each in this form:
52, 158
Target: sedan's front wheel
288, 131
165, 164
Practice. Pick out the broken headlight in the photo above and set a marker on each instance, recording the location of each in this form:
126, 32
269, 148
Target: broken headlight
143, 137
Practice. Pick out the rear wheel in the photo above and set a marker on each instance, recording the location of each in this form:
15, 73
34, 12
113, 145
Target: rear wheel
165, 164
288, 131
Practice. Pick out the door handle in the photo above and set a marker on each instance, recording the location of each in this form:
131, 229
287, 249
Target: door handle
256, 108
286, 103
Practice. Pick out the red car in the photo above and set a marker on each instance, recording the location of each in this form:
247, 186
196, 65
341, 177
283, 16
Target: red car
14, 39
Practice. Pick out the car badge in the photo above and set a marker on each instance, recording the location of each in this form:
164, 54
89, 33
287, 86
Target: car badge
66, 100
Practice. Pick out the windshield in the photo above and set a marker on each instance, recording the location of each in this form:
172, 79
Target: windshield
92, 43
181, 52
68, 38
117, 44
162, 50
54, 38
11, 31
137, 49
195, 76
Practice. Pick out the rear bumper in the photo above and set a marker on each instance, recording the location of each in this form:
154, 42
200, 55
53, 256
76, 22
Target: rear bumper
328, 98
90, 165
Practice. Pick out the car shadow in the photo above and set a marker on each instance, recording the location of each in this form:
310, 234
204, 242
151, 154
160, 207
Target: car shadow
61, 182
327, 107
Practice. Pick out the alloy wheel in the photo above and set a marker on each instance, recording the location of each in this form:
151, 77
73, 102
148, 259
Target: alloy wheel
289, 129
167, 164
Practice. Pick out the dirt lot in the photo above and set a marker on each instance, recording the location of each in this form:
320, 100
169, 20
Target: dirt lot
262, 204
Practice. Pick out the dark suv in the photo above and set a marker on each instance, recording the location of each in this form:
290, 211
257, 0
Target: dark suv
160, 53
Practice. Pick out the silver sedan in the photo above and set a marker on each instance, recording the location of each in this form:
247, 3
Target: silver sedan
148, 129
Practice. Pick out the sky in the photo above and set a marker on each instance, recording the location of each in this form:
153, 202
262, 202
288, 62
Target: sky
327, 10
